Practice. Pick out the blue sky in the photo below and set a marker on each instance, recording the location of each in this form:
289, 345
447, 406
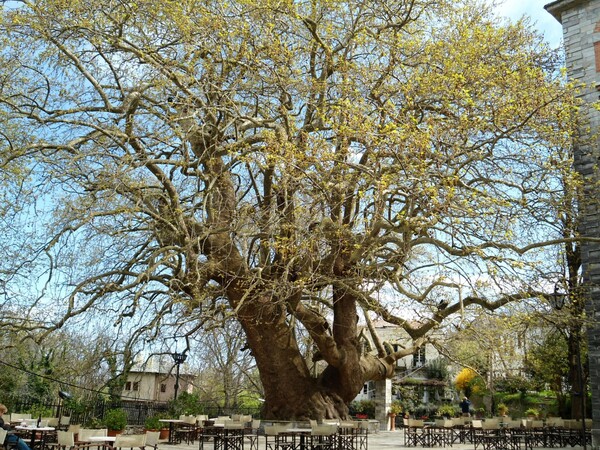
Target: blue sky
544, 22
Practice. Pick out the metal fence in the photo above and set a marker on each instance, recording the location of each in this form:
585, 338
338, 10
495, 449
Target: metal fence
95, 409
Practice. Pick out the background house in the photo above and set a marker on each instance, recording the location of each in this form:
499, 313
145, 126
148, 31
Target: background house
154, 379
416, 374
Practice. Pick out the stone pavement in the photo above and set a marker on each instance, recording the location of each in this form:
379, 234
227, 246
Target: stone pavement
382, 440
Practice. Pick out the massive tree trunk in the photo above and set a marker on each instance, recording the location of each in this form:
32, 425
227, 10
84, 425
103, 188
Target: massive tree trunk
292, 389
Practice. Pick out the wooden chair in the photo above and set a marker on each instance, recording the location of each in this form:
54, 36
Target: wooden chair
323, 437
51, 421
251, 431
4, 442
233, 436
66, 441
415, 433
16, 417
64, 422
187, 430
129, 441
276, 438
152, 439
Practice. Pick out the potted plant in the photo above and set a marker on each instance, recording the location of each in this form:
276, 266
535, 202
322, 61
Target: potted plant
532, 413
115, 420
446, 411
502, 409
363, 409
153, 423
395, 409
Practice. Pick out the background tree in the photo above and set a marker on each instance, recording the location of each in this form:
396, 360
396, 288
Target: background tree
278, 163
548, 364
228, 370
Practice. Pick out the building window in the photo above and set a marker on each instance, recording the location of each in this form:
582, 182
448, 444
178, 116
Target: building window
128, 386
163, 387
366, 389
419, 357
136, 386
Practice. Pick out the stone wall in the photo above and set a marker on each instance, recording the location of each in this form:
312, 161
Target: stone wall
581, 30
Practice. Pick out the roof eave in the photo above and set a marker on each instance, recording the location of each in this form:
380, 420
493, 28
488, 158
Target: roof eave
558, 7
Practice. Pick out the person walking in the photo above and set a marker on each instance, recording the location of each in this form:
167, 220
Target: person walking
465, 407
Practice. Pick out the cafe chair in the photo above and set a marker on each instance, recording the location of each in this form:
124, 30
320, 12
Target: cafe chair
415, 433
84, 434
18, 418
276, 438
251, 433
152, 439
4, 443
232, 436
130, 441
362, 435
66, 441
64, 422
51, 421
208, 432
323, 437
187, 430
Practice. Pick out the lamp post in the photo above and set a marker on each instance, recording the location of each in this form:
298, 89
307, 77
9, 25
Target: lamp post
179, 359
62, 395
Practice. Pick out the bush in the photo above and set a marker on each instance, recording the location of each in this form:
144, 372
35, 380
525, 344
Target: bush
532, 412
154, 423
115, 419
396, 407
363, 407
502, 409
40, 411
446, 411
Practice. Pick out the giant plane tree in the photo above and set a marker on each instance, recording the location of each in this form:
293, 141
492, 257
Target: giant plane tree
298, 166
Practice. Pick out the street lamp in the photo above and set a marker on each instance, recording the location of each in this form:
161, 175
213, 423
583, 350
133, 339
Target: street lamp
62, 395
179, 359
559, 300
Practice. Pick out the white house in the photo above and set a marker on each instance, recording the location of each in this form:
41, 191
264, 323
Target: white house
154, 380
410, 369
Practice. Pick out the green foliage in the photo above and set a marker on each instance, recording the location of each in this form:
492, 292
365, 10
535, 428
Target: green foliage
396, 407
548, 362
437, 369
408, 397
74, 405
115, 419
447, 410
39, 387
187, 404
154, 423
363, 406
40, 410
94, 422
502, 409
532, 412
518, 403
513, 384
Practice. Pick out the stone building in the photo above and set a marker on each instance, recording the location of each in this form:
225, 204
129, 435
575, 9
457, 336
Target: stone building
580, 20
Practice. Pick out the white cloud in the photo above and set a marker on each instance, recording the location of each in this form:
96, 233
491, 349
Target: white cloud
542, 20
